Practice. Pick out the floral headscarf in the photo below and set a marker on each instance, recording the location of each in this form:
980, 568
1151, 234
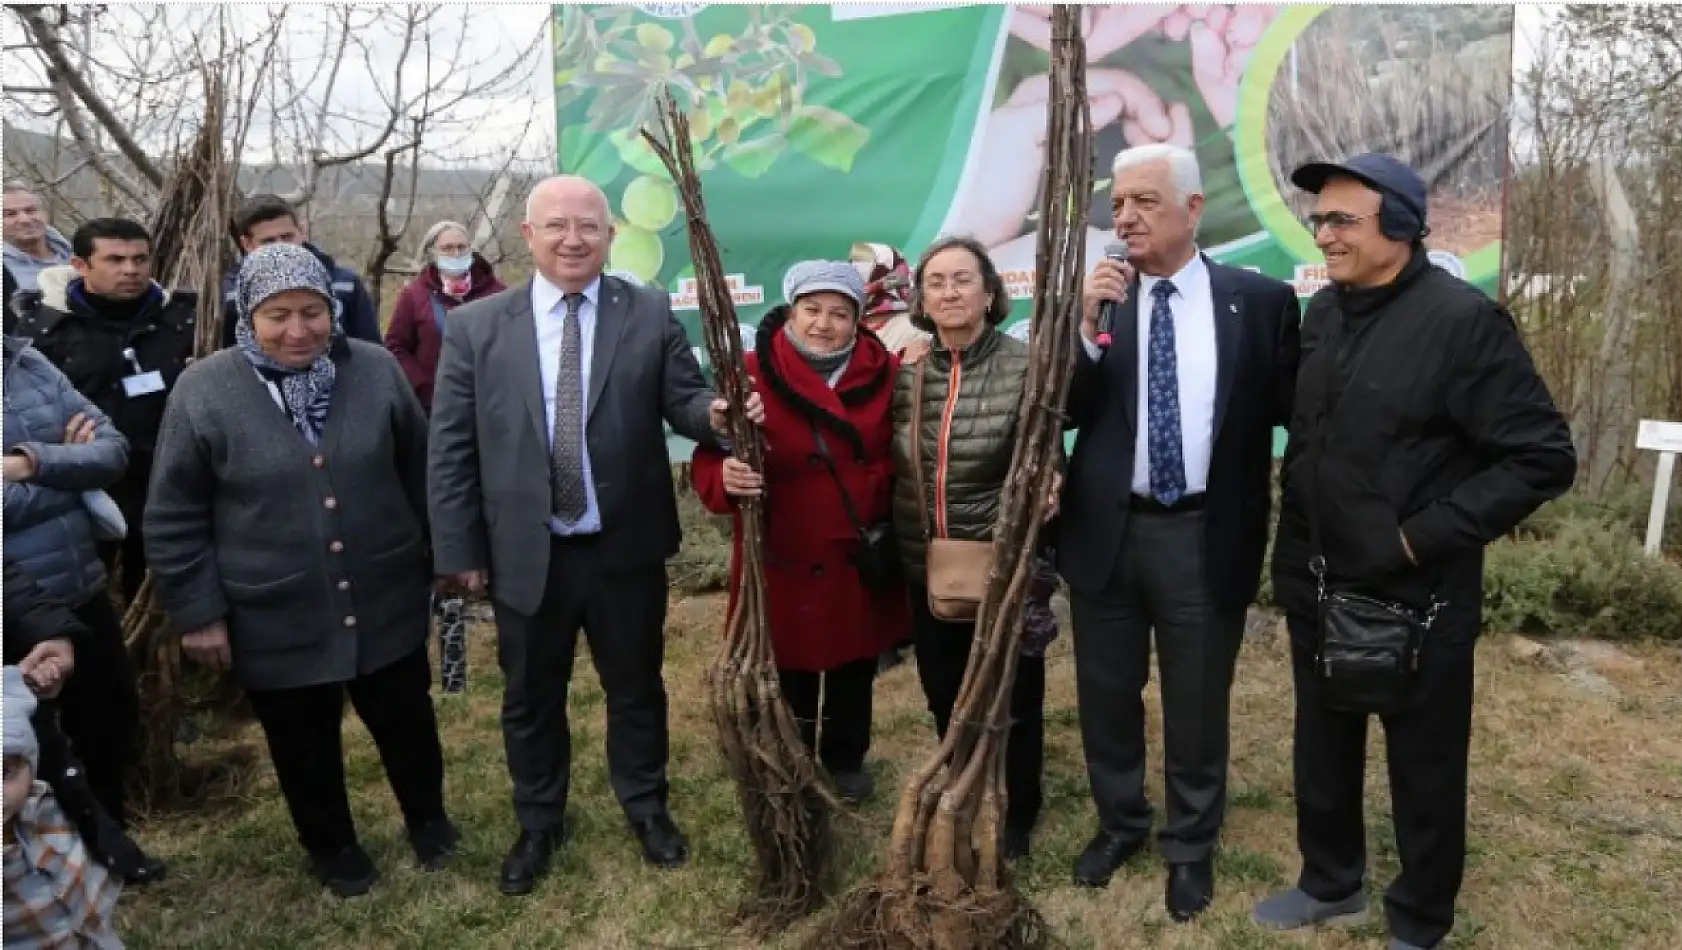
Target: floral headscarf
275, 269
887, 279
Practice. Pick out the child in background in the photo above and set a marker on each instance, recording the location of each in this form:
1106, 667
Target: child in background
56, 894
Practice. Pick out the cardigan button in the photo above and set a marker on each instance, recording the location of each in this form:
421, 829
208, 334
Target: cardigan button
350, 621
319, 462
336, 547
344, 585
330, 503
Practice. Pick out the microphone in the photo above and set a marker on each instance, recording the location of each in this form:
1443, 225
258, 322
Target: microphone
1115, 251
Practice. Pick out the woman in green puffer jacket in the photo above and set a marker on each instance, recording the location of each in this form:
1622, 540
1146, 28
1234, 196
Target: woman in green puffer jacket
965, 425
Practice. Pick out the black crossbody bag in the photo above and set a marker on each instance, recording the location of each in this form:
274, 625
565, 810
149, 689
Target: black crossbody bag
877, 558
1368, 648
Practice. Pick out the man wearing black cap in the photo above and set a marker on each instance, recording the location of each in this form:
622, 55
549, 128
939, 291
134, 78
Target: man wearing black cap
1420, 432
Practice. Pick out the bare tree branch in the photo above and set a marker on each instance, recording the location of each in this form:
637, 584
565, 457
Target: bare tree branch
46, 38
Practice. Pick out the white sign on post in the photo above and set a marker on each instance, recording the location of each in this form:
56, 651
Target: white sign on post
1664, 438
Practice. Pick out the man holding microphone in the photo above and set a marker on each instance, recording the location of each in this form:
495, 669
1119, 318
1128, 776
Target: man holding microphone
1186, 368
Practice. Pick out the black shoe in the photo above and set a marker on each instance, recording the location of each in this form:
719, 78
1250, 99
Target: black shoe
435, 843
1103, 855
529, 859
663, 845
134, 866
854, 787
1191, 886
1018, 843
350, 873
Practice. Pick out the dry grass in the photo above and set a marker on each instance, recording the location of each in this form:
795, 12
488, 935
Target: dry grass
1576, 827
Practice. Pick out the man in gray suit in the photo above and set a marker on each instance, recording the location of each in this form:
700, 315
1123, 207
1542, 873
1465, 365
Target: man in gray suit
549, 487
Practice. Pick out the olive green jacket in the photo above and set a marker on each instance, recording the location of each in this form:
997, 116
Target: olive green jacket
971, 401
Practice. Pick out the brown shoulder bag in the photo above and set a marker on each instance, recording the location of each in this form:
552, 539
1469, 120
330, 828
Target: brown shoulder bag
957, 569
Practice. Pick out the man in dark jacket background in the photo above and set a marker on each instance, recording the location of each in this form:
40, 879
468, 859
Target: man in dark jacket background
267, 219
122, 340
1421, 432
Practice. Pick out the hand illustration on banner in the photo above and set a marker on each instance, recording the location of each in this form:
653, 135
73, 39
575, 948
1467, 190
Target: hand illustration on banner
1222, 39
1105, 28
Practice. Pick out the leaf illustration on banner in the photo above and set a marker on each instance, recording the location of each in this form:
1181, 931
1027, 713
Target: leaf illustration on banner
755, 158
827, 136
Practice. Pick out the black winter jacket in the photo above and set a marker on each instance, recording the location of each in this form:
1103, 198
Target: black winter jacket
32, 618
1440, 428
88, 349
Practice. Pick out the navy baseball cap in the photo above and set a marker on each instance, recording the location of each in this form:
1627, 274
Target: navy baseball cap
1384, 174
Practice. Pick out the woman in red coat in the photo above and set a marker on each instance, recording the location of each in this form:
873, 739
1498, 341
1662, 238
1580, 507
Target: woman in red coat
455, 274
828, 391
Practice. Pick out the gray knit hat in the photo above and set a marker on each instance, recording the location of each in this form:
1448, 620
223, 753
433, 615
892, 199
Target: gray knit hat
810, 277
19, 705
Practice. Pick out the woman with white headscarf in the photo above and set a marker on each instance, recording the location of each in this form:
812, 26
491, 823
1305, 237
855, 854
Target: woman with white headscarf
289, 540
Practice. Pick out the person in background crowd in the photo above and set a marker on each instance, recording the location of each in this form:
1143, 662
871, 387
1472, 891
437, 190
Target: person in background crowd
887, 313
454, 274
270, 219
32, 245
827, 482
289, 543
887, 295
952, 453
565, 511
1421, 433
1167, 512
122, 340
51, 460
55, 894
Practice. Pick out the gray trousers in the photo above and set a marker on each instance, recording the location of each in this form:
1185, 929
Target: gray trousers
1158, 586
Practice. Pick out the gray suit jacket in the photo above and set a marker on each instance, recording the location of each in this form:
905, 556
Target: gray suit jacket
488, 459
315, 556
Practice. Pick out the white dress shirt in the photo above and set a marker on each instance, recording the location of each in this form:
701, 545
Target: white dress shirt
548, 308
1196, 356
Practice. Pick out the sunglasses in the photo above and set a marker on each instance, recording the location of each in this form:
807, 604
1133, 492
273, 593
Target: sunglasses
1336, 220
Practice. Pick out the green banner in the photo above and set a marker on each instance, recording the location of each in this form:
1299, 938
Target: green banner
821, 126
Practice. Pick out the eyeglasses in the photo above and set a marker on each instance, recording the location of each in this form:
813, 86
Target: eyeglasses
1336, 220
586, 230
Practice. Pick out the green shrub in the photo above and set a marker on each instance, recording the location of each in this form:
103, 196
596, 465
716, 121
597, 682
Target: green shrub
1573, 576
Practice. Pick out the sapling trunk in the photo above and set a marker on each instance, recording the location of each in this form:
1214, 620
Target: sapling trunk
785, 799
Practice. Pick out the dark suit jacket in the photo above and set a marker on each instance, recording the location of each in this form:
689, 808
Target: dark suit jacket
1257, 325
488, 466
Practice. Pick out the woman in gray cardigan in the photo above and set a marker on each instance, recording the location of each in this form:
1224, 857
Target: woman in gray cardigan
288, 537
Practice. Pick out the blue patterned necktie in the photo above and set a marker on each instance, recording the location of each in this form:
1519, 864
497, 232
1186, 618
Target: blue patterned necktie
566, 453
1167, 458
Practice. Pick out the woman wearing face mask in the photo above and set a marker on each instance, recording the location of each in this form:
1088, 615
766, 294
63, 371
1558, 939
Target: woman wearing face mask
454, 274
288, 538
955, 421
827, 482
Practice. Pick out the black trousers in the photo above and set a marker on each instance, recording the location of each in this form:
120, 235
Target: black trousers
1427, 743
303, 730
623, 616
1157, 593
99, 707
848, 691
942, 650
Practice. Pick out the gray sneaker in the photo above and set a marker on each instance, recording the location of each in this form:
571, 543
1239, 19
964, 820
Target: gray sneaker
1294, 910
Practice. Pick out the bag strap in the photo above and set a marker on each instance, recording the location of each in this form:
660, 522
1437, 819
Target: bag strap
437, 312
917, 446
1317, 444
846, 499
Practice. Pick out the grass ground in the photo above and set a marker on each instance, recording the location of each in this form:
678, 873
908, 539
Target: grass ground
1576, 826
